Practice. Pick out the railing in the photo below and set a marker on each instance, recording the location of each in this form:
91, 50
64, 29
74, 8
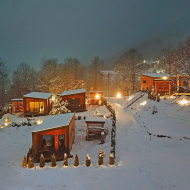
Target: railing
135, 98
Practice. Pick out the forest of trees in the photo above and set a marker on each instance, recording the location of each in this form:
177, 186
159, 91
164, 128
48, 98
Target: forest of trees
56, 77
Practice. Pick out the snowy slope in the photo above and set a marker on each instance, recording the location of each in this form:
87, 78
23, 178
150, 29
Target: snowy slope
143, 161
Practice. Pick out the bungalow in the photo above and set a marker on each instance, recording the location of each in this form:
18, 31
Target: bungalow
17, 105
96, 98
55, 135
75, 99
161, 83
37, 103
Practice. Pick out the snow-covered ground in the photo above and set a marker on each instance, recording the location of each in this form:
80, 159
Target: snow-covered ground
143, 161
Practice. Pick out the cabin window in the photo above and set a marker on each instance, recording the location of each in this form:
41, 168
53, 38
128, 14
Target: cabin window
36, 106
48, 141
144, 81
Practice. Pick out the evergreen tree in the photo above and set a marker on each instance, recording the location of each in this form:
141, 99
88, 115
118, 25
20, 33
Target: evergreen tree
59, 107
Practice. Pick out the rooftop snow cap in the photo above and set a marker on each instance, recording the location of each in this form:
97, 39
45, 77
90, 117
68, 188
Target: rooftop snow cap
157, 74
69, 92
55, 121
95, 120
39, 95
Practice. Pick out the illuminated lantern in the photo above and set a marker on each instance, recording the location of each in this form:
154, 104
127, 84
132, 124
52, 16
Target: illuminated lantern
97, 96
118, 95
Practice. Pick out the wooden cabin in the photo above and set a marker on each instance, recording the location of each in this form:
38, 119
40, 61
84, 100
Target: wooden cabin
55, 135
96, 98
17, 105
75, 99
161, 83
183, 84
37, 103
95, 126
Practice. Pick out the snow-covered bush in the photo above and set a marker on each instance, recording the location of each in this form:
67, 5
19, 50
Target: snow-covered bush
59, 107
42, 161
65, 163
53, 160
24, 162
76, 162
111, 159
88, 160
30, 162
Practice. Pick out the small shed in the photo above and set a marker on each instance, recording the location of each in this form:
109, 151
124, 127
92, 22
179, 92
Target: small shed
55, 135
161, 83
17, 105
96, 97
37, 103
75, 99
95, 126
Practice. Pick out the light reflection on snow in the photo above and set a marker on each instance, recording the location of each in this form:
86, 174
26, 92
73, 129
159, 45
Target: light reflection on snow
183, 102
143, 103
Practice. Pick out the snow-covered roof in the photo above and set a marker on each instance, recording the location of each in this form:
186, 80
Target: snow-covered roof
77, 91
96, 92
157, 74
95, 119
17, 99
40, 95
54, 121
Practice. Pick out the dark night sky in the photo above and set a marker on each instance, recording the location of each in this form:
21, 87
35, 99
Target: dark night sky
33, 29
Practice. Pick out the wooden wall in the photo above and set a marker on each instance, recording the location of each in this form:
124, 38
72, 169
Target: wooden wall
73, 96
17, 106
71, 133
149, 82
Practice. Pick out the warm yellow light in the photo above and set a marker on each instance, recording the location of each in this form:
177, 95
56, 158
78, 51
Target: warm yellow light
164, 78
97, 96
118, 95
39, 122
144, 61
183, 102
143, 103
6, 124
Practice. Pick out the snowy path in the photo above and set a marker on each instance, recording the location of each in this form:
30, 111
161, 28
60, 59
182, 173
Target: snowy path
141, 163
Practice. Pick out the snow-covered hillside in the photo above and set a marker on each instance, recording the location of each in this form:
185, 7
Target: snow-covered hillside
143, 160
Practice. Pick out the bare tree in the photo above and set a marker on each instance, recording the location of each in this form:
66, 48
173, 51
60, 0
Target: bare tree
3, 81
167, 59
49, 79
95, 76
75, 74
128, 69
21, 80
